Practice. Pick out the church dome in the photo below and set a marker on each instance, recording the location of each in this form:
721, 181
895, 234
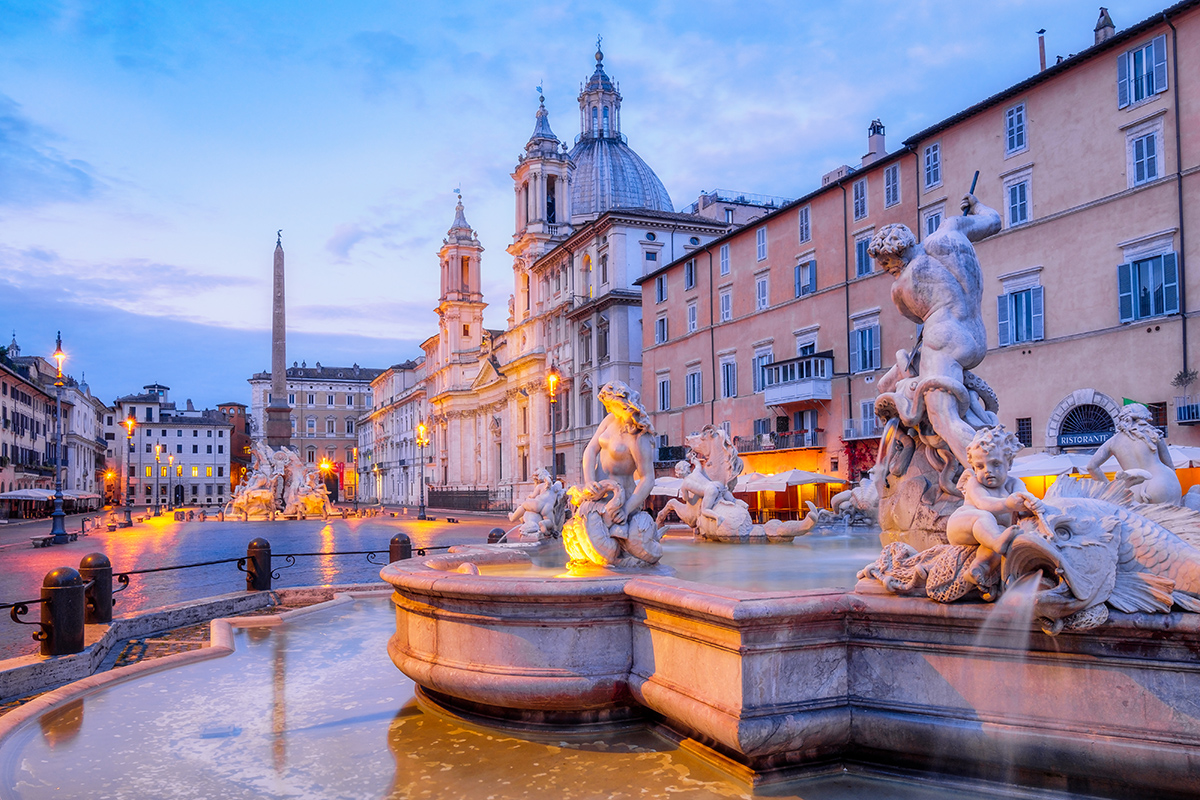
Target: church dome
608, 173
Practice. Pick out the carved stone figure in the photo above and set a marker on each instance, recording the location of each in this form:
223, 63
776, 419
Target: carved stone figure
609, 527
543, 512
278, 481
1139, 446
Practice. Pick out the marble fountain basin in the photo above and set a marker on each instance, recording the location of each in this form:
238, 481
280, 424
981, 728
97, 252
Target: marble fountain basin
770, 685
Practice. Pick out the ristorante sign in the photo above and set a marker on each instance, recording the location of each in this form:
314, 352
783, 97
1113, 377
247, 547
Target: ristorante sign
1092, 439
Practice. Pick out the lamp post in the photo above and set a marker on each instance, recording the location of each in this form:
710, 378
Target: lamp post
325, 466
552, 379
157, 470
57, 526
129, 424
422, 440
108, 480
170, 481
357, 481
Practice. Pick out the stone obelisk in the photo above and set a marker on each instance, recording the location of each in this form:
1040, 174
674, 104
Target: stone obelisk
279, 414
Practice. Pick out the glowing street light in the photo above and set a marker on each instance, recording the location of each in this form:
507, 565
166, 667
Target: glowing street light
553, 377
157, 470
422, 440
170, 480
130, 423
57, 525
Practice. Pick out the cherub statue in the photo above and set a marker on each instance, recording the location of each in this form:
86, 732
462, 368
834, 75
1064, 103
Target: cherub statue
991, 499
1142, 451
543, 512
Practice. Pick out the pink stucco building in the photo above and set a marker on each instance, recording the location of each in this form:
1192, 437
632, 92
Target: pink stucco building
779, 329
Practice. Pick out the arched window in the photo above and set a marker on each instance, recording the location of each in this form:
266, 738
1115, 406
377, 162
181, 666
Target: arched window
585, 276
605, 115
595, 125
466, 273
551, 184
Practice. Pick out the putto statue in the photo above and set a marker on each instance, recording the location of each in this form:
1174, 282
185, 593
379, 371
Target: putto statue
1140, 449
543, 512
279, 482
609, 527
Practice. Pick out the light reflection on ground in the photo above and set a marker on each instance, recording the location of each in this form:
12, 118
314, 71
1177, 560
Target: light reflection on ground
315, 709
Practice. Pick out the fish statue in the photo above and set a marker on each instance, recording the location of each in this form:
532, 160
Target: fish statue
1094, 547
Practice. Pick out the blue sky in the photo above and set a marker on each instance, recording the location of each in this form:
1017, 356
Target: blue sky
149, 151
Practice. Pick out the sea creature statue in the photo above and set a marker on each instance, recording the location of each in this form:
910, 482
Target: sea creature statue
705, 501
1138, 445
543, 512
1093, 547
310, 496
858, 505
609, 527
279, 482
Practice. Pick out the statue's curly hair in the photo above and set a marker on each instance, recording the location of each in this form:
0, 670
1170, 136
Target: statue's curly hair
892, 240
619, 392
988, 440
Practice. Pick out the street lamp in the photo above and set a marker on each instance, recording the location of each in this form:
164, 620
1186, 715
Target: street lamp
552, 379
108, 479
325, 466
422, 440
170, 481
357, 481
57, 526
129, 424
157, 496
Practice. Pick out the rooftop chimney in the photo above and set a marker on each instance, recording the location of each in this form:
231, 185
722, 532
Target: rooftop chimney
1104, 26
190, 407
875, 146
1042, 49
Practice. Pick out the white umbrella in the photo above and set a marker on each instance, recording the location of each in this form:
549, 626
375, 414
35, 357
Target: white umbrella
780, 481
666, 487
27, 494
1044, 464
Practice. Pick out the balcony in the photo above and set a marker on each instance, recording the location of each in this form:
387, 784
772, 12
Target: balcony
778, 441
861, 429
1187, 410
798, 380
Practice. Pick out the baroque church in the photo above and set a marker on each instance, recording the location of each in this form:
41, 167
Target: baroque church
591, 218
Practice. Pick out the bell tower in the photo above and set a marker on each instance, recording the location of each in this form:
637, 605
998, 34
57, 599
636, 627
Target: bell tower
460, 308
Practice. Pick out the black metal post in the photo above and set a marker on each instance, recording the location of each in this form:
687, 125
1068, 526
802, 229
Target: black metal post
258, 566
96, 567
62, 612
495, 535
400, 548
58, 519
128, 523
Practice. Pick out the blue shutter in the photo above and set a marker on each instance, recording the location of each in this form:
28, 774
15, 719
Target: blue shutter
875, 362
1125, 291
1122, 80
855, 349
812, 276
1002, 303
1160, 64
1038, 315
797, 279
1170, 284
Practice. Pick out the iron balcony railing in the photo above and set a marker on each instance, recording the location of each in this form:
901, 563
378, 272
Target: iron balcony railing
778, 441
862, 429
1187, 410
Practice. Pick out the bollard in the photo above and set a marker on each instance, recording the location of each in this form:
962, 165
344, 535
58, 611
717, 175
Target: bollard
495, 535
62, 612
96, 567
221, 516
400, 548
258, 566
203, 516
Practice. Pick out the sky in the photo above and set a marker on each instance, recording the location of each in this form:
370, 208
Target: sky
150, 151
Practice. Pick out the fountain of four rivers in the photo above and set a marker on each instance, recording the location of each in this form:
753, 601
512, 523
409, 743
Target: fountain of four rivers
613, 663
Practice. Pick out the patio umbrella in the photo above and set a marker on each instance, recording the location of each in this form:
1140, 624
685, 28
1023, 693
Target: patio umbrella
780, 481
27, 494
666, 487
1043, 464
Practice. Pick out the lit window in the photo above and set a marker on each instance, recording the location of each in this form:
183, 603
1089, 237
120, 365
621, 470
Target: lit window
208, 471
195, 472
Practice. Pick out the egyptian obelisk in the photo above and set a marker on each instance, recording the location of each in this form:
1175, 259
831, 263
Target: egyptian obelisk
279, 414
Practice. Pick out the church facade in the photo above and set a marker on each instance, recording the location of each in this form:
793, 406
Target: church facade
590, 220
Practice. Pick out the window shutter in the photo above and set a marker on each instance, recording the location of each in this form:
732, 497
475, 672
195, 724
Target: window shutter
1002, 320
796, 276
875, 362
1125, 291
1039, 313
1170, 284
1160, 64
855, 352
1122, 80
812, 276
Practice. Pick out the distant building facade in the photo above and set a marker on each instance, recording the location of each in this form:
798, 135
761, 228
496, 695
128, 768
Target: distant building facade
240, 441
389, 460
779, 330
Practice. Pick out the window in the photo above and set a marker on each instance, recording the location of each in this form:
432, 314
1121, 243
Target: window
1025, 431
1014, 129
1020, 316
1142, 72
729, 216
604, 268
602, 343
585, 346
1143, 155
760, 238
1148, 287
660, 330
762, 426
349, 401
726, 299
689, 275
312, 399
758, 367
863, 263
652, 256
660, 289
805, 225
149, 472
310, 426
761, 298
349, 426
933, 165
724, 259
891, 186
329, 400
806, 278
1018, 203
860, 199
664, 394
330, 425
933, 220
693, 388
729, 378
208, 472
209, 450
179, 448
195, 448
195, 472
220, 449
864, 353
691, 317
291, 399
179, 470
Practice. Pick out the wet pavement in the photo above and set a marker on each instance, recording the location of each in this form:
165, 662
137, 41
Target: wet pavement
161, 542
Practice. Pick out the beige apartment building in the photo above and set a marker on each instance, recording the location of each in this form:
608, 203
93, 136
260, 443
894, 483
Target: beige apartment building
780, 329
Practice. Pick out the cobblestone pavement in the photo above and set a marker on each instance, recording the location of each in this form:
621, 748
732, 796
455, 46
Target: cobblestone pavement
161, 542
